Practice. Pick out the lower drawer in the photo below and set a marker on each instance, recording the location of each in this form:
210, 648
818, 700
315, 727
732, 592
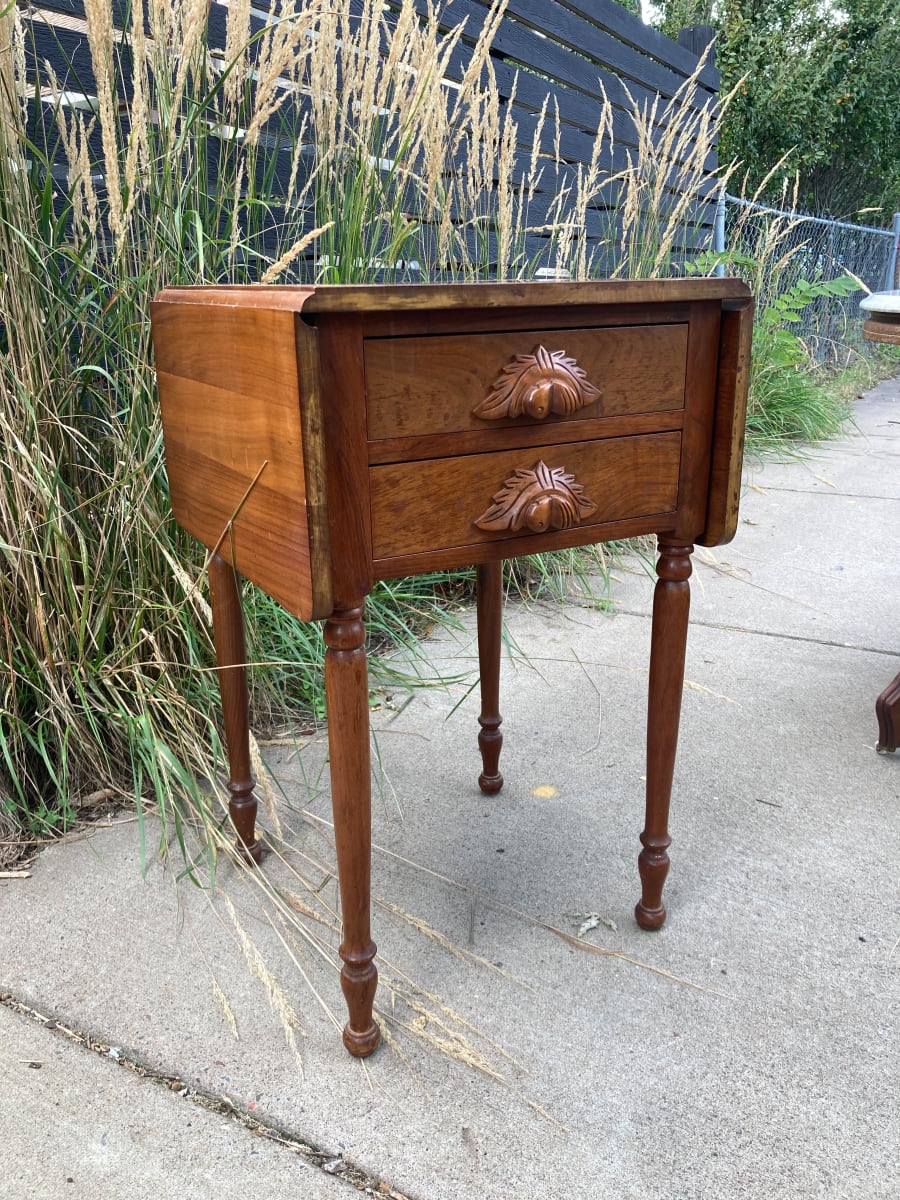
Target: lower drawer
442, 503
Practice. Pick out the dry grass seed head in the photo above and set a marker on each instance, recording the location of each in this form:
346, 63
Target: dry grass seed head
280, 67
225, 1006
138, 157
237, 53
278, 268
366, 57
470, 84
102, 39
261, 774
505, 189
75, 134
13, 81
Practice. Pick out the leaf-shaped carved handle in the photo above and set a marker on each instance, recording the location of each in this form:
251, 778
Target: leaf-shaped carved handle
536, 385
537, 499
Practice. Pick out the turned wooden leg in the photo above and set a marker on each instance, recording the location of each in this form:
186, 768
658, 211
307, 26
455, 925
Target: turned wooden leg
887, 710
490, 616
231, 656
347, 695
671, 603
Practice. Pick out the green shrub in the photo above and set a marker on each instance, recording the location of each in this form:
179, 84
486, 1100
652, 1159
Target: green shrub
789, 400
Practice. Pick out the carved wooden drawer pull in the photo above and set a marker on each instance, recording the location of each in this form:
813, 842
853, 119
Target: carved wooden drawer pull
538, 499
535, 385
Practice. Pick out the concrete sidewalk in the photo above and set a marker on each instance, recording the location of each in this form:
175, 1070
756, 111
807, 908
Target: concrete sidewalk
751, 1048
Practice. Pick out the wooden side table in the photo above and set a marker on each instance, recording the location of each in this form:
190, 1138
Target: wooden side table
318, 439
882, 324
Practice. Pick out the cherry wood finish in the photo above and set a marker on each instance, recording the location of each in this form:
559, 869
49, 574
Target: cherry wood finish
623, 477
318, 439
537, 499
241, 466
347, 696
671, 603
723, 500
545, 383
617, 371
489, 606
885, 327
231, 659
887, 710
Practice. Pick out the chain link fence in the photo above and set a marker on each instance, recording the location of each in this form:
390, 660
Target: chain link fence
787, 246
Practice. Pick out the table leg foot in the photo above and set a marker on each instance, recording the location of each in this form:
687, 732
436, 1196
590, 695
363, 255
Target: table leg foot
249, 847
490, 741
490, 618
359, 979
887, 710
653, 866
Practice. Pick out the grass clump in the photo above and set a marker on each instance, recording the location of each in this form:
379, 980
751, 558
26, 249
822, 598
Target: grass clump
789, 400
322, 147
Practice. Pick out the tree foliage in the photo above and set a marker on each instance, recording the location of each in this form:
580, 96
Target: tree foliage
676, 15
817, 82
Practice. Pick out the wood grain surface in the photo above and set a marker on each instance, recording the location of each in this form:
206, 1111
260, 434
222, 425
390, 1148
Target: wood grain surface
729, 425
235, 453
424, 506
417, 386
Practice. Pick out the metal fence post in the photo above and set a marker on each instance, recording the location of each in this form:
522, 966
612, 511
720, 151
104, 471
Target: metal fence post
719, 231
892, 281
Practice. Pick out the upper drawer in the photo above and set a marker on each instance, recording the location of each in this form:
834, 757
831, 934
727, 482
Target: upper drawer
417, 386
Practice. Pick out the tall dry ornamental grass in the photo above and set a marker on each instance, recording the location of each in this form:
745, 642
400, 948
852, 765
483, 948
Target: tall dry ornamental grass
325, 146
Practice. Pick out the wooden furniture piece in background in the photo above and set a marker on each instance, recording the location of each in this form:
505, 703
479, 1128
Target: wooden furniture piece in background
318, 439
882, 324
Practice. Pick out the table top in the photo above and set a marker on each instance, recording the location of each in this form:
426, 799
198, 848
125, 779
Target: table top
886, 302
351, 298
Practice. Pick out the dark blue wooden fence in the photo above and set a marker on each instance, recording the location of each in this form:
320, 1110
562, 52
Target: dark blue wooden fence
566, 48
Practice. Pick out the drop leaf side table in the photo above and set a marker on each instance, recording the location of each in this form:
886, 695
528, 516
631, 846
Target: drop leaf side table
318, 439
882, 324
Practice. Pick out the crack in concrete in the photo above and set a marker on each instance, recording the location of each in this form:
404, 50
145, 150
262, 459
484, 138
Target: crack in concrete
828, 490
769, 633
324, 1160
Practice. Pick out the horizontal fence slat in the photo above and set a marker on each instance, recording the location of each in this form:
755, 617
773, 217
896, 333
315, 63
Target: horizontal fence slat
631, 30
587, 41
554, 64
579, 110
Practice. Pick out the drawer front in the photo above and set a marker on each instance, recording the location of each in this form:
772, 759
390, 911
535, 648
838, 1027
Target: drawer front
474, 499
417, 386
